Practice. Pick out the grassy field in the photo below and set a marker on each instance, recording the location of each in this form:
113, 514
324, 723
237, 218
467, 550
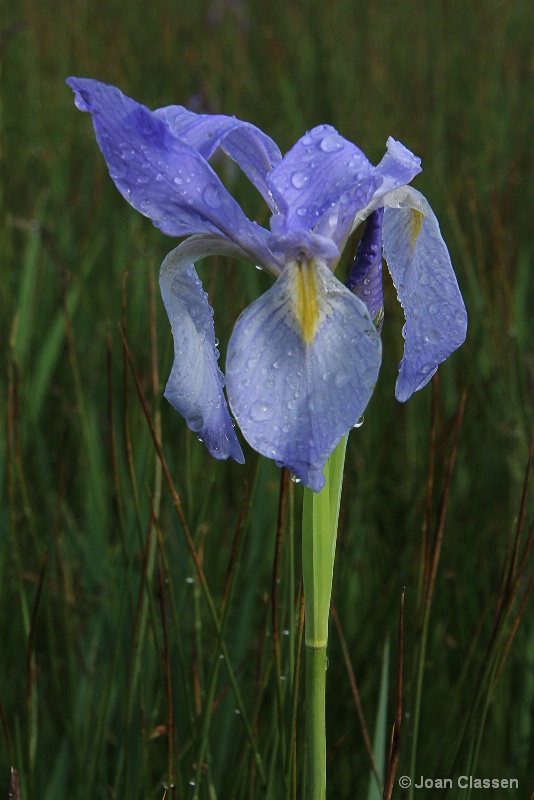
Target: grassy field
120, 672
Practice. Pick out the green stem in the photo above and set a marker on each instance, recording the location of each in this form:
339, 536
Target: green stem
319, 531
315, 723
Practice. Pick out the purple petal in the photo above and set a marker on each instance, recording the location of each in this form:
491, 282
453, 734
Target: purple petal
297, 242
248, 146
420, 265
195, 385
365, 278
302, 363
161, 176
398, 167
322, 174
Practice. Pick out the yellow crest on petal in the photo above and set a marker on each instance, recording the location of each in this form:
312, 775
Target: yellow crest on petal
416, 221
306, 300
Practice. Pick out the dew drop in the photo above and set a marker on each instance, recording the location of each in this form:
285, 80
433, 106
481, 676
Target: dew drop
295, 479
261, 411
211, 196
341, 379
298, 179
331, 143
359, 423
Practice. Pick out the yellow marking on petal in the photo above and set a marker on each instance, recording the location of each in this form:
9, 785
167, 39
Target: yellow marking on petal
416, 222
306, 305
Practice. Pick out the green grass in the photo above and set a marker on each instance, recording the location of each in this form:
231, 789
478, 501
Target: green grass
107, 642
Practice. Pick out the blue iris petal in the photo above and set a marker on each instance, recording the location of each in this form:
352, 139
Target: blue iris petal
250, 148
195, 386
420, 265
322, 176
302, 363
303, 359
365, 278
163, 177
398, 167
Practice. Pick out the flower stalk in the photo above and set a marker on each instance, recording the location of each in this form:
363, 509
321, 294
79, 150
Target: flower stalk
319, 532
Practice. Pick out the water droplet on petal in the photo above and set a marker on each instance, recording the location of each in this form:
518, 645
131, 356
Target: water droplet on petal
211, 196
295, 479
331, 143
341, 379
261, 411
127, 154
359, 423
298, 179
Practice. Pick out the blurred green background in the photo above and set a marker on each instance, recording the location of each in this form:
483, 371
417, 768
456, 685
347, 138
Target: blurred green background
113, 683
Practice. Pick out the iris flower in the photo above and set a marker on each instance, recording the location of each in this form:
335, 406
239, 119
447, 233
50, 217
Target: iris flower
303, 358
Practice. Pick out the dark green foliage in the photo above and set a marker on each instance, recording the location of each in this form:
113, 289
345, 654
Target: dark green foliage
99, 596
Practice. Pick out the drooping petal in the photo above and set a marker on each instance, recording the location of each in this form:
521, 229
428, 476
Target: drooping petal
248, 146
323, 172
420, 265
302, 363
195, 385
163, 177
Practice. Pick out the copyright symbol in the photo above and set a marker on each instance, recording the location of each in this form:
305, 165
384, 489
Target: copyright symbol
405, 782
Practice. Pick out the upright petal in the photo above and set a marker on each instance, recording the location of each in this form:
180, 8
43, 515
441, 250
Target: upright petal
420, 265
365, 278
163, 177
248, 146
398, 167
322, 172
195, 385
302, 363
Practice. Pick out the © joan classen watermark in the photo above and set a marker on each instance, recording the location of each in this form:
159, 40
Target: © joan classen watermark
462, 782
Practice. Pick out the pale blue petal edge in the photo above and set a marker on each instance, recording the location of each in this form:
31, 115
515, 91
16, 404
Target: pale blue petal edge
420, 265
